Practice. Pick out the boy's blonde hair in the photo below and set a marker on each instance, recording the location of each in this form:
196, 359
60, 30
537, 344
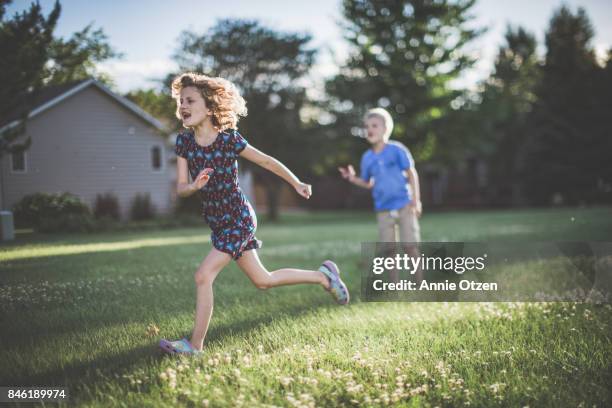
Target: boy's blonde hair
221, 97
385, 116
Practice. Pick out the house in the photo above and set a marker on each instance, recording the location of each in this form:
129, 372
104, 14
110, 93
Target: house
87, 140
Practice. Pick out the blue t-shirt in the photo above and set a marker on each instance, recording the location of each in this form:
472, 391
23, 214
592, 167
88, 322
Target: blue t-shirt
391, 191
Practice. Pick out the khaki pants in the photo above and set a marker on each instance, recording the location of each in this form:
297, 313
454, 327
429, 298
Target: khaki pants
404, 218
409, 231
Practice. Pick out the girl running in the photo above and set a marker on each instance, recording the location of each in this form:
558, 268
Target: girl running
208, 149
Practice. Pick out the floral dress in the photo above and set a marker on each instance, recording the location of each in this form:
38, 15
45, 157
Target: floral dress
224, 207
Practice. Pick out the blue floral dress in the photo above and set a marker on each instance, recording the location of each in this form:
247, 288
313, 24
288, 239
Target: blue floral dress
225, 208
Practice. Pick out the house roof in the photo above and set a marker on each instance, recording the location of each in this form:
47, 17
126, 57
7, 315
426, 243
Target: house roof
52, 95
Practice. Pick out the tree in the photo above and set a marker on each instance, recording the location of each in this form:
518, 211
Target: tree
404, 56
156, 103
603, 94
503, 115
77, 58
33, 58
24, 43
569, 153
268, 67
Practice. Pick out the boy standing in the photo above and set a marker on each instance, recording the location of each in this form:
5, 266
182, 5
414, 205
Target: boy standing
388, 169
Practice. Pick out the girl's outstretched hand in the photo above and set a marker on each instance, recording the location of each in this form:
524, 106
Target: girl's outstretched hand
303, 189
202, 178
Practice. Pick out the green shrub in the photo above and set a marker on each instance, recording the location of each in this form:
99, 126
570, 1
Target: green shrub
53, 212
107, 223
107, 206
68, 223
142, 209
191, 205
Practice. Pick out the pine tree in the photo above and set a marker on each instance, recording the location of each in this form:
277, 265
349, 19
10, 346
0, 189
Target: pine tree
571, 131
504, 113
33, 58
24, 43
404, 55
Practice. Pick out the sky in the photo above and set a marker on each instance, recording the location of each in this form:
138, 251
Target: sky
146, 32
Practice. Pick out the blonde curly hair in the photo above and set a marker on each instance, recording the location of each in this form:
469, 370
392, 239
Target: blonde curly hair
221, 97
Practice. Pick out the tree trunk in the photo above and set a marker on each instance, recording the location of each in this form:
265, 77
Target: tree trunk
273, 199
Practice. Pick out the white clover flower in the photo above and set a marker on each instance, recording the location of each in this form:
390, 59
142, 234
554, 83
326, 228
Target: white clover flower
285, 381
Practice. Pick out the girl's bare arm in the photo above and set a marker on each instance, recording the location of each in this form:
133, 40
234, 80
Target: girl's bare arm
183, 187
271, 164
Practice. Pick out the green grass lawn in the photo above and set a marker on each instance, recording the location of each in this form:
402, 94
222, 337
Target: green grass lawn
76, 310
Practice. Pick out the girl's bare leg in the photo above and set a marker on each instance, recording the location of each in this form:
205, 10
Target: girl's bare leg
251, 265
210, 267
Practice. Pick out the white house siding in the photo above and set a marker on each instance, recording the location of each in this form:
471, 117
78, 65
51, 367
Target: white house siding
89, 144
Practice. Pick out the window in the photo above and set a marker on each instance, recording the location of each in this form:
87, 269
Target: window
18, 161
156, 161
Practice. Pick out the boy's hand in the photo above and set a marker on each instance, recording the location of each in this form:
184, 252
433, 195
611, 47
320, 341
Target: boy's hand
303, 189
417, 207
347, 172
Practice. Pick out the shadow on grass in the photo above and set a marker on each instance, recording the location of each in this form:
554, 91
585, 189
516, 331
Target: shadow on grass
43, 322
79, 376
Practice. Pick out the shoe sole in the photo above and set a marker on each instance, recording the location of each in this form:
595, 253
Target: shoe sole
166, 346
333, 268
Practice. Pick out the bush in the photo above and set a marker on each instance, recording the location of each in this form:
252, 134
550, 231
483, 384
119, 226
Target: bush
107, 223
107, 206
68, 223
27, 211
191, 205
142, 209
53, 212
